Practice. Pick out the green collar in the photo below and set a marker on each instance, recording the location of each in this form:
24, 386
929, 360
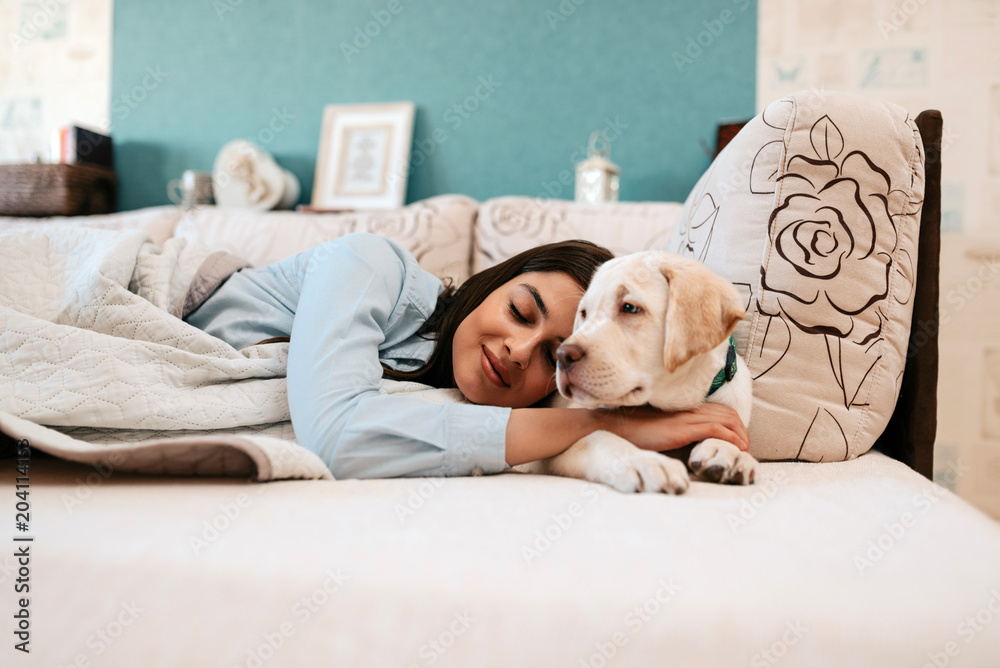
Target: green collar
728, 371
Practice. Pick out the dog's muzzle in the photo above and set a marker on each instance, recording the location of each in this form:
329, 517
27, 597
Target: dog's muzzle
567, 355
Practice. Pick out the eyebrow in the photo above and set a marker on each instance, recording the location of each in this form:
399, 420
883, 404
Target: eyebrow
537, 297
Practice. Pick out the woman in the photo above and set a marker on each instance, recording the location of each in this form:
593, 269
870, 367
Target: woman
360, 307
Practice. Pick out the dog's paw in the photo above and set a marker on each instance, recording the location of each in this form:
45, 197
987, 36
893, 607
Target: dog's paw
647, 471
721, 461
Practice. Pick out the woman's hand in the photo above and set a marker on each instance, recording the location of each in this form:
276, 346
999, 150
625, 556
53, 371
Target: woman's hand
537, 433
652, 429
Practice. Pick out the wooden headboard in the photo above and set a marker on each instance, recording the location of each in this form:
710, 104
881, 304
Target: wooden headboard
909, 436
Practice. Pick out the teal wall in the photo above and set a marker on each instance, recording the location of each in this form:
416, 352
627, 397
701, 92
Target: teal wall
189, 76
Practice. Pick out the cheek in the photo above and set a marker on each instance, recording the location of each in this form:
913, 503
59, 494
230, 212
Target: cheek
623, 343
540, 384
631, 346
651, 346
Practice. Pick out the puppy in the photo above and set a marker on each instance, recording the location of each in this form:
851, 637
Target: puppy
653, 328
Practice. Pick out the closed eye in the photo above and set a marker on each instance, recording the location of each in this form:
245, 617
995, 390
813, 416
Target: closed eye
549, 357
517, 314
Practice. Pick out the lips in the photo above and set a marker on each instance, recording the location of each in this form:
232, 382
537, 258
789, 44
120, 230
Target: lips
494, 370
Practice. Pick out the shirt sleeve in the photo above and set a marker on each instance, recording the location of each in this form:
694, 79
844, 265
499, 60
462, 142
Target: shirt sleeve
357, 292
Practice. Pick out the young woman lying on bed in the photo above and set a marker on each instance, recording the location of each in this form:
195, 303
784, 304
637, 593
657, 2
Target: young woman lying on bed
360, 307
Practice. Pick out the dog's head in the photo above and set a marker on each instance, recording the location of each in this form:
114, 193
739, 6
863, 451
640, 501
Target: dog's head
644, 316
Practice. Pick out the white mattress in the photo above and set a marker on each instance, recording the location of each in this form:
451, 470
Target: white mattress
118, 578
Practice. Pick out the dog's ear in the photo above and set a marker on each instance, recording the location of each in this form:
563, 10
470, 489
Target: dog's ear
702, 309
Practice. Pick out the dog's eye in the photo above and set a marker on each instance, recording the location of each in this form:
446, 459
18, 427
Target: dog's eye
583, 314
630, 308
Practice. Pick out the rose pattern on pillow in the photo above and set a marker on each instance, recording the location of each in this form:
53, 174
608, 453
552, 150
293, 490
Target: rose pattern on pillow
833, 246
515, 221
834, 243
509, 225
436, 230
839, 186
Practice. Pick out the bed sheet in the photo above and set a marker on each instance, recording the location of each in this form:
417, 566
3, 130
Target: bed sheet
861, 563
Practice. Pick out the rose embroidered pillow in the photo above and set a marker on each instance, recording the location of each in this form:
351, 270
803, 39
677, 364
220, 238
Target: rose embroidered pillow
812, 212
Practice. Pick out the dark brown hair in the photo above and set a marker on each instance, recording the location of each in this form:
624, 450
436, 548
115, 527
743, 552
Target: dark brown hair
577, 258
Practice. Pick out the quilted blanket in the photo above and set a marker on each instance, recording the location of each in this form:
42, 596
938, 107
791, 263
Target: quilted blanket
97, 367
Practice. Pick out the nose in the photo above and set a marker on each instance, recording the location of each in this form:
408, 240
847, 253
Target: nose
519, 350
569, 354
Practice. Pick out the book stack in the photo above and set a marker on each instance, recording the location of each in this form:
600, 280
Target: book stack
79, 179
73, 145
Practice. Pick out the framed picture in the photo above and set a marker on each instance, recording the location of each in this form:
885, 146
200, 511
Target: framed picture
364, 156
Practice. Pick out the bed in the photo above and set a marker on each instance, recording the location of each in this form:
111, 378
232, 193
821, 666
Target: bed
863, 562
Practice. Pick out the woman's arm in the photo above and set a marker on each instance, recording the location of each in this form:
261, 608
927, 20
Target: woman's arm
537, 433
358, 295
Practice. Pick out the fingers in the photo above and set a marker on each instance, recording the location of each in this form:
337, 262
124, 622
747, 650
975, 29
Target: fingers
726, 425
692, 433
725, 434
652, 429
701, 423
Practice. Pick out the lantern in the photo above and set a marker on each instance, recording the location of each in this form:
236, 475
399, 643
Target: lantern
597, 177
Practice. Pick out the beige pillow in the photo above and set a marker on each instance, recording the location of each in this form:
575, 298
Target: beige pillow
812, 211
438, 231
508, 225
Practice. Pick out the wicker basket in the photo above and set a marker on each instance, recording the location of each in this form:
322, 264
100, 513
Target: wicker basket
57, 190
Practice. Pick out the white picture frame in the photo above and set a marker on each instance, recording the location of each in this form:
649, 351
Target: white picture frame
364, 156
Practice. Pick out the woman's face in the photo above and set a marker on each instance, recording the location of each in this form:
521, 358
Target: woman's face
504, 352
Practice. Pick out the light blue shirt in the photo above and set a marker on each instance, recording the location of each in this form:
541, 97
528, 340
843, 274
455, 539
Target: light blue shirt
348, 305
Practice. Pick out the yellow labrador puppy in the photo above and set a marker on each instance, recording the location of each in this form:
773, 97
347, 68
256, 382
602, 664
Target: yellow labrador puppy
653, 328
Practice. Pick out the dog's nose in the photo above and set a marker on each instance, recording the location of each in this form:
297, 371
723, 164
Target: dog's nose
569, 354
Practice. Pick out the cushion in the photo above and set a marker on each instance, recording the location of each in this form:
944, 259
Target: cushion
508, 225
157, 221
813, 211
438, 231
